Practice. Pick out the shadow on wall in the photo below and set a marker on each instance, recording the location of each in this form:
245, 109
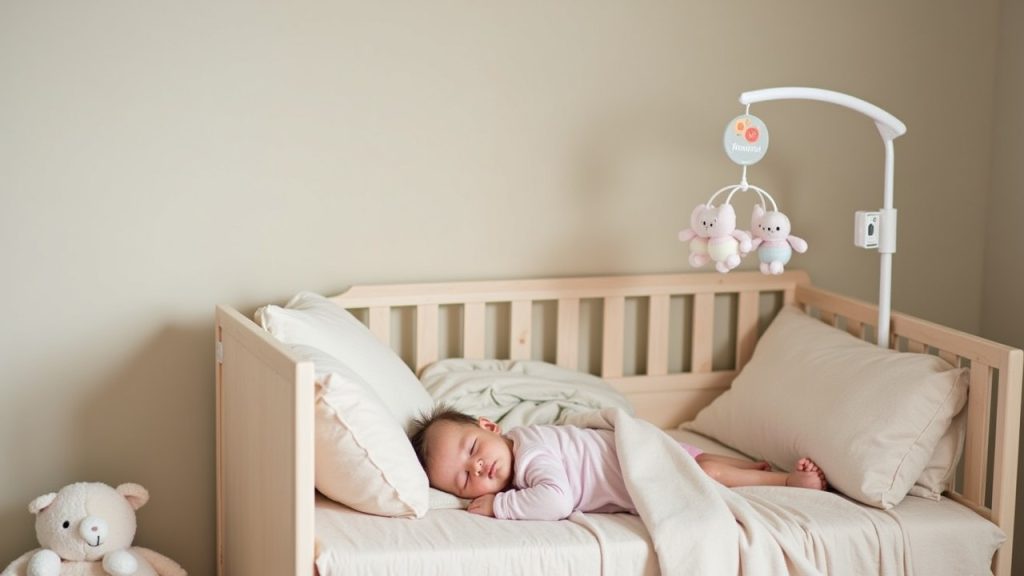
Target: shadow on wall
19, 521
152, 424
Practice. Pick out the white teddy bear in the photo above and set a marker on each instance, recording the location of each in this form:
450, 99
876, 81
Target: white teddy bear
86, 529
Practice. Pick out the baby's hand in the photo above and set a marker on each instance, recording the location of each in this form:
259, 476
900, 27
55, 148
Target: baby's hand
483, 505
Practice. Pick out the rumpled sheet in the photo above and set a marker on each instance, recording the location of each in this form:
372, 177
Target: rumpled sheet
518, 392
701, 527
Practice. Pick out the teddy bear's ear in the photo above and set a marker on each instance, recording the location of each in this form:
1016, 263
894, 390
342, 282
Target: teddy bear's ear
136, 495
39, 504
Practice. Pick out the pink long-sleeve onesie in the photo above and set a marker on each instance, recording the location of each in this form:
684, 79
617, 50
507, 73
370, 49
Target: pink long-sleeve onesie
559, 469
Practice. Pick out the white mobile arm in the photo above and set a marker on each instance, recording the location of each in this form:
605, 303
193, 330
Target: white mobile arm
890, 128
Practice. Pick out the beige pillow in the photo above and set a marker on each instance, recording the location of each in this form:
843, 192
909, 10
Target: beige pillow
363, 457
938, 474
870, 417
312, 320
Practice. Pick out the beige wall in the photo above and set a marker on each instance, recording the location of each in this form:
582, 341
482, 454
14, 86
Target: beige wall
158, 160
1002, 316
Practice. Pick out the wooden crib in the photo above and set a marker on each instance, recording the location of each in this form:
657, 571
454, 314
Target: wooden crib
669, 343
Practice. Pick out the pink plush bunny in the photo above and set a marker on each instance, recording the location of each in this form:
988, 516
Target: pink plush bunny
713, 237
772, 239
698, 233
727, 244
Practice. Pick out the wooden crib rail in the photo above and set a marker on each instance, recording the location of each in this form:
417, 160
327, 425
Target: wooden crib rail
988, 485
663, 396
567, 292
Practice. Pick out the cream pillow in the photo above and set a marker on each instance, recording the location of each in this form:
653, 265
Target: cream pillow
312, 320
870, 417
363, 457
938, 474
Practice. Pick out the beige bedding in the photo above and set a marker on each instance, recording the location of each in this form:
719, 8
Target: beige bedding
454, 542
925, 538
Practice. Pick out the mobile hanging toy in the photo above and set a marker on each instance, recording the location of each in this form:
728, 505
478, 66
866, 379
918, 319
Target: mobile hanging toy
712, 234
746, 141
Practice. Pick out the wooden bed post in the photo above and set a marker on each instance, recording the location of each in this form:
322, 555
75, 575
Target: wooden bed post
265, 476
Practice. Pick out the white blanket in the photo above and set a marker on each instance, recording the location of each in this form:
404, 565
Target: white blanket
700, 527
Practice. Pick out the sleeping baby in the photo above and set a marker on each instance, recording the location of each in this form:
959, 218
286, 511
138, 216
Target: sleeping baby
545, 472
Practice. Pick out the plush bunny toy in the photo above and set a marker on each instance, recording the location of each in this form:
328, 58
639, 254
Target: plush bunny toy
86, 529
698, 233
772, 240
713, 237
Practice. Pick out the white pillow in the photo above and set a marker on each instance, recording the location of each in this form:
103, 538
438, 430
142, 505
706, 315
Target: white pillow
363, 457
870, 417
312, 320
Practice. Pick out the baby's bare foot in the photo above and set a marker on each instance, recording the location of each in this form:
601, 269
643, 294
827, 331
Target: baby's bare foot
808, 465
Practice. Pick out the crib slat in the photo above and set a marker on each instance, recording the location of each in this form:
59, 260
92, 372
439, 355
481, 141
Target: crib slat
426, 335
612, 339
521, 328
916, 347
746, 327
567, 348
976, 452
855, 328
827, 317
703, 328
789, 295
474, 335
949, 357
657, 335
380, 323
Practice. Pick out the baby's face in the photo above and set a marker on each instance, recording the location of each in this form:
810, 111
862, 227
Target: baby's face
467, 460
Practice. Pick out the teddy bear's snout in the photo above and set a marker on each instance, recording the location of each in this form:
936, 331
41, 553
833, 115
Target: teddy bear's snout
93, 530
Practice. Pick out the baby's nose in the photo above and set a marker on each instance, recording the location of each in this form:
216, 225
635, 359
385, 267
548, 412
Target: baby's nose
478, 467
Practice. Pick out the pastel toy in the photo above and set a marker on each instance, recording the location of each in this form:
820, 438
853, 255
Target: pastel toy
701, 220
772, 240
726, 244
86, 529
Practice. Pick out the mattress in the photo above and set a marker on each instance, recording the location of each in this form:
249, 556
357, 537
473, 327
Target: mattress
936, 538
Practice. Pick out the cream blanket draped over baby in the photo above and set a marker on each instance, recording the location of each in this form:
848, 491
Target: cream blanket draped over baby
699, 526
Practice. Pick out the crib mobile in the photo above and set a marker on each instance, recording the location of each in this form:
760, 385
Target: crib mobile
713, 235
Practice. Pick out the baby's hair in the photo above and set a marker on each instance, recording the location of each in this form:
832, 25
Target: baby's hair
440, 413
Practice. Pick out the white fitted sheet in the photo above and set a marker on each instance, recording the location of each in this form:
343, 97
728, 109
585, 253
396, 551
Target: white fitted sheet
938, 538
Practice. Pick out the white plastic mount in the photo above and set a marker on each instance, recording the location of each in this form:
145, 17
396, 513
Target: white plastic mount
889, 128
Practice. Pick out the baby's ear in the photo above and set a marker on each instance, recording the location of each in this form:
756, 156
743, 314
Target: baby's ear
488, 425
